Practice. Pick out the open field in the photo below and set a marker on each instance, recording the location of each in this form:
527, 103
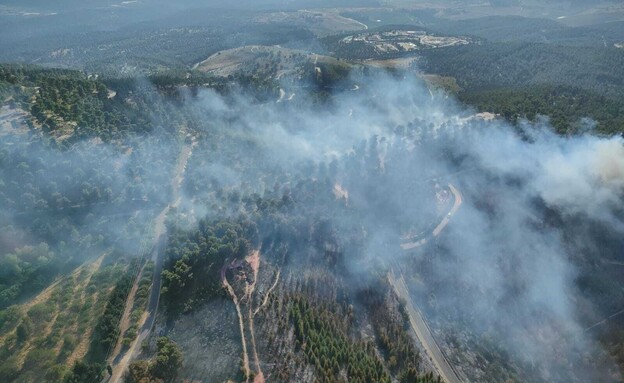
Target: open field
274, 61
13, 120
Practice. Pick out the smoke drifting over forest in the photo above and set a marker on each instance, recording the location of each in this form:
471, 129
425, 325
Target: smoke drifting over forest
500, 268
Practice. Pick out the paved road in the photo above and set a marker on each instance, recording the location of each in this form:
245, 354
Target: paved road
442, 225
417, 321
447, 218
154, 298
423, 332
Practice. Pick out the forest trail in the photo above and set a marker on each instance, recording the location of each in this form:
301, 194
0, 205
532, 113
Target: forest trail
241, 324
120, 360
253, 261
268, 293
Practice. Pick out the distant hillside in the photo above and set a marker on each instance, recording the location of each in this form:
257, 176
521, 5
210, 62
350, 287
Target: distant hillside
489, 66
270, 60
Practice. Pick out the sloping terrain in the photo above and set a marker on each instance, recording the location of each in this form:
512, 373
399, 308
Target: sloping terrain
321, 22
274, 61
45, 335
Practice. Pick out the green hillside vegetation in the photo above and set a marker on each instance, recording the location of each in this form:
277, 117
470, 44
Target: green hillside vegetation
489, 66
522, 80
71, 104
201, 253
324, 341
62, 207
106, 331
56, 310
162, 368
137, 48
40, 340
526, 29
565, 107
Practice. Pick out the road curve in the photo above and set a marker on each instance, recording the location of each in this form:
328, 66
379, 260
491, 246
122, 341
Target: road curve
447, 218
417, 321
442, 225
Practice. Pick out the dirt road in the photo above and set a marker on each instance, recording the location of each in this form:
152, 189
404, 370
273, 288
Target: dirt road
268, 293
253, 260
120, 360
241, 324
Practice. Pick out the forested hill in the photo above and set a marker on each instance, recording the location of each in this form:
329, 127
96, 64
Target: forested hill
70, 104
523, 80
493, 65
80, 184
569, 109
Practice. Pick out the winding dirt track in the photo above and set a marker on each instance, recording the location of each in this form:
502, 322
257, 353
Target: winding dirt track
447, 219
266, 296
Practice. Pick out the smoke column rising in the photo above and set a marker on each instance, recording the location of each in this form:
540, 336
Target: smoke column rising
498, 269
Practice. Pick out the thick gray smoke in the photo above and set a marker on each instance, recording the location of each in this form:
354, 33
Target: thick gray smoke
83, 199
498, 269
